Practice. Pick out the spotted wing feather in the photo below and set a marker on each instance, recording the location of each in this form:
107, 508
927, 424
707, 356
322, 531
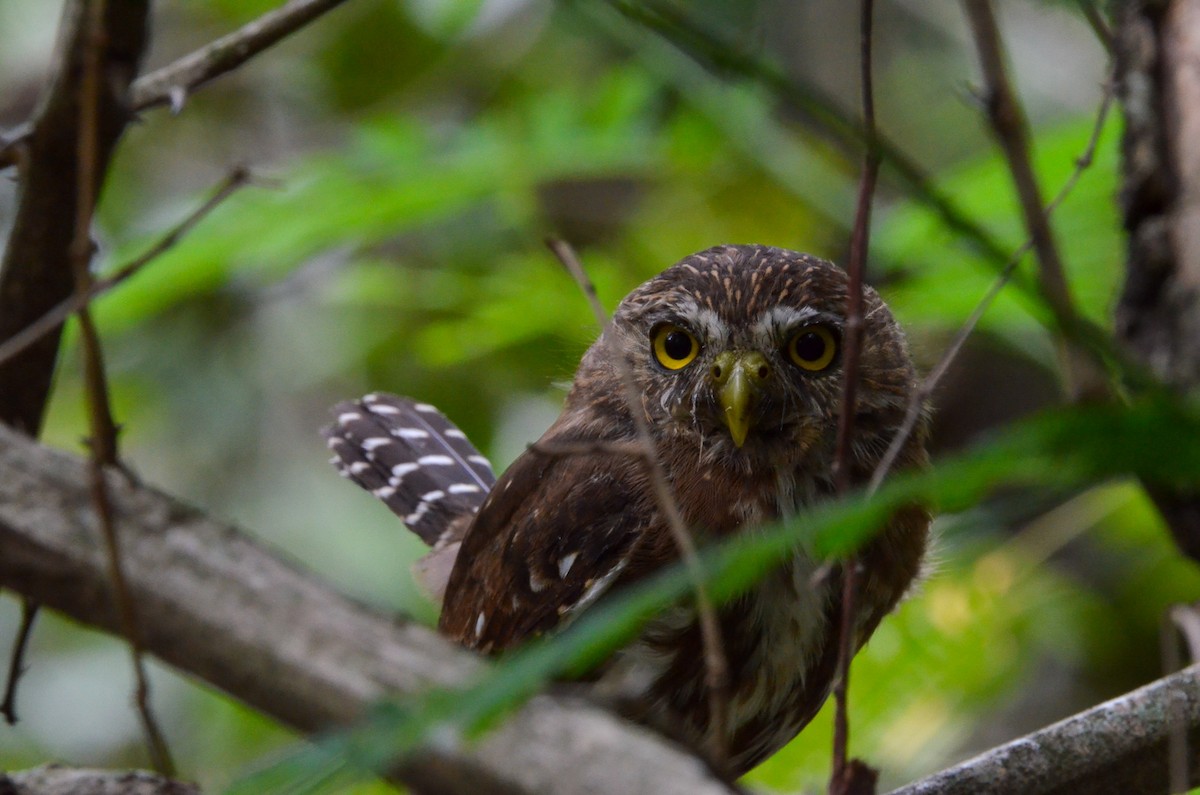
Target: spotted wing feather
410, 456
556, 533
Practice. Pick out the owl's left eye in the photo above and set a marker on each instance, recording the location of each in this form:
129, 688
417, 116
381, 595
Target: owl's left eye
674, 347
812, 347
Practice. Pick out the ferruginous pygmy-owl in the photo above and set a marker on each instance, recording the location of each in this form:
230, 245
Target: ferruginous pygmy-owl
736, 354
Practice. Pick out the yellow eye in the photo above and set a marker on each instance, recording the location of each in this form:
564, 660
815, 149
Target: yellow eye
675, 347
812, 347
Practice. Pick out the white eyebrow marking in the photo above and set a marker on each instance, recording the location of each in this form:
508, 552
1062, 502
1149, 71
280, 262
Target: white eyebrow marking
781, 318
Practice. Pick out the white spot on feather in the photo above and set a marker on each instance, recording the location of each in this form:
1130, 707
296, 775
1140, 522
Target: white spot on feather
564, 565
374, 442
435, 460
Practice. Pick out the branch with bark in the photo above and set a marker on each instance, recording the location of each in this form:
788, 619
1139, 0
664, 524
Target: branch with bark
217, 605
36, 272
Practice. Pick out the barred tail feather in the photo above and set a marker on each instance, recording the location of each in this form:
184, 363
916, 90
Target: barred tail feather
412, 458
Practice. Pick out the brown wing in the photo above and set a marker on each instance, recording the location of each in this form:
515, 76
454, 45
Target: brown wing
555, 533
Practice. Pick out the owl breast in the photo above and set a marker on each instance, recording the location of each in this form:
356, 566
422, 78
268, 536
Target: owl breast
774, 638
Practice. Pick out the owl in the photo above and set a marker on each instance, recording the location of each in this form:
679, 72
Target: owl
736, 353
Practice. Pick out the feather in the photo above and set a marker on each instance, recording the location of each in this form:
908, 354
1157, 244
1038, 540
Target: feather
410, 456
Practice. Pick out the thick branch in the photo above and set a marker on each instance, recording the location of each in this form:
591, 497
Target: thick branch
217, 605
1117, 748
55, 780
36, 271
174, 82
1158, 317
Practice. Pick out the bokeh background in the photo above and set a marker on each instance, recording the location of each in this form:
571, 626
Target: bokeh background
412, 156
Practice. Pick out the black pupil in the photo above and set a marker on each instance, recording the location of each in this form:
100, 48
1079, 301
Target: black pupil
810, 347
678, 345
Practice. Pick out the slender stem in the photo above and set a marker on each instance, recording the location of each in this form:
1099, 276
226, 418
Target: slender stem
103, 431
715, 661
1081, 378
924, 391
50, 321
16, 664
851, 349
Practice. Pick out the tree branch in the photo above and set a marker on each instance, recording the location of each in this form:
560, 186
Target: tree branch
215, 604
36, 274
56, 780
1116, 748
1081, 378
1158, 317
173, 83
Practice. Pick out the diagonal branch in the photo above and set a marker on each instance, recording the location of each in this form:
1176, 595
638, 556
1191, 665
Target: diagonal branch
215, 604
927, 386
36, 273
1116, 748
1080, 375
173, 83
45, 324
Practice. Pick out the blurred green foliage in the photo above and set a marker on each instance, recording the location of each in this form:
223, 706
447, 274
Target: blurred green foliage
412, 157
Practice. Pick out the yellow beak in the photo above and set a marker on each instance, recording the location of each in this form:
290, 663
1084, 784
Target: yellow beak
738, 377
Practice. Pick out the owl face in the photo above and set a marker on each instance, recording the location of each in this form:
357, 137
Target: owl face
740, 349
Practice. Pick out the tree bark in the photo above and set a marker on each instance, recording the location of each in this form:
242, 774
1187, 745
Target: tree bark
1117, 748
56, 780
36, 272
1158, 317
215, 604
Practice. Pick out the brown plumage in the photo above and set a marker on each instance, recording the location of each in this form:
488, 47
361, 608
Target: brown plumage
735, 351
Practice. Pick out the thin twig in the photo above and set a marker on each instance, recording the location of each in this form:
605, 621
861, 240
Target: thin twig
102, 429
172, 84
1081, 377
16, 663
236, 179
841, 779
1099, 26
925, 389
715, 662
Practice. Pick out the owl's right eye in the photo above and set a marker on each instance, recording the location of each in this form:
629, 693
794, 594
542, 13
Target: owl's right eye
674, 347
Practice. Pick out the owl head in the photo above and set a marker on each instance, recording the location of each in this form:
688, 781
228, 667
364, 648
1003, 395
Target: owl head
739, 349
